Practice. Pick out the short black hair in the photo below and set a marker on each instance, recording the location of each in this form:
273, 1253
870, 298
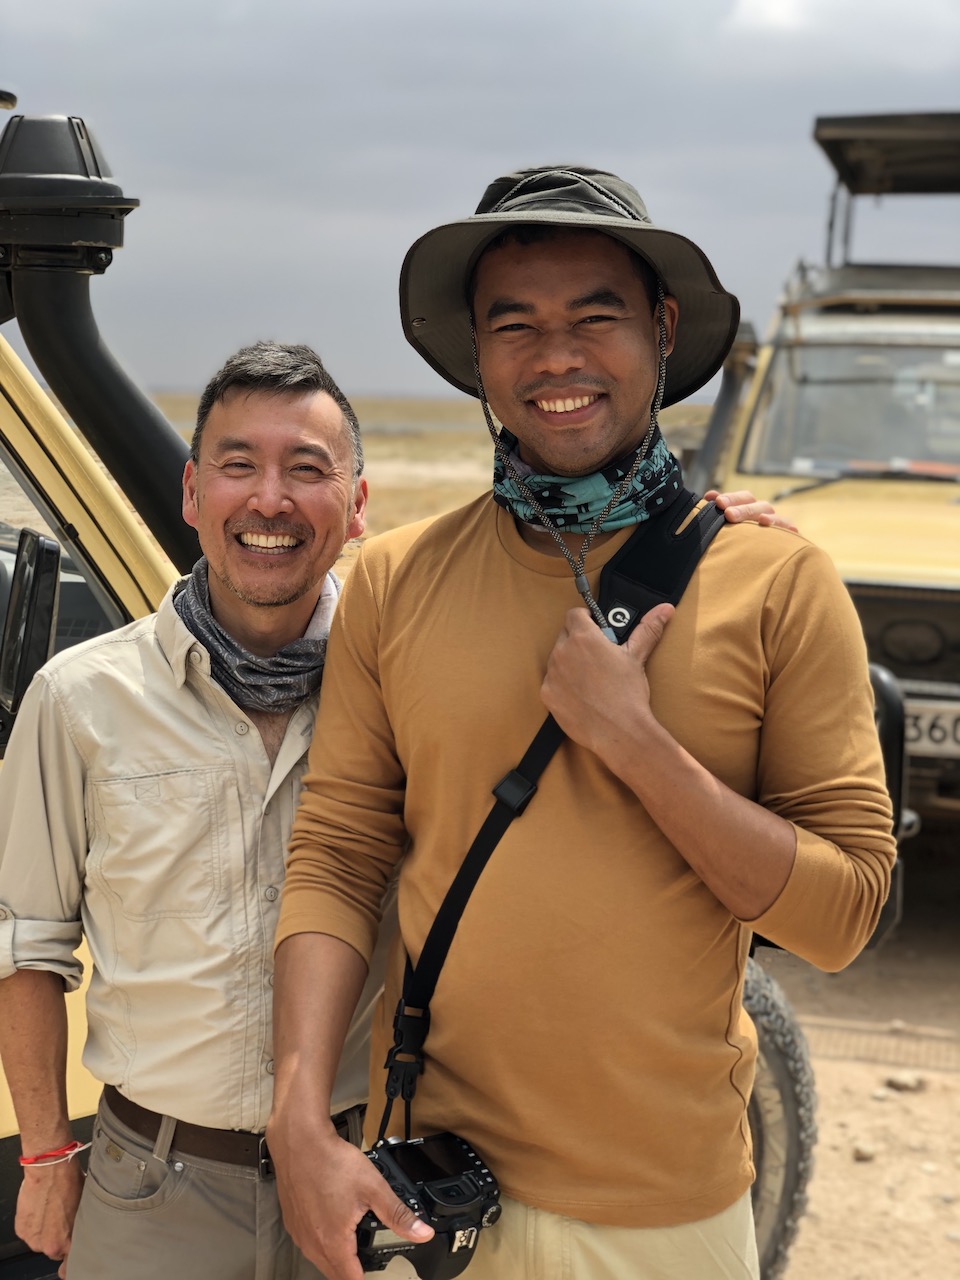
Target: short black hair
285, 369
525, 233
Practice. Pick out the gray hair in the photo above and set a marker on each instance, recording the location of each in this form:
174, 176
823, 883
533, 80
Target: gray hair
281, 368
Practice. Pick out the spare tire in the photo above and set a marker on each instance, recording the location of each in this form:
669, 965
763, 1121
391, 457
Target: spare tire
782, 1115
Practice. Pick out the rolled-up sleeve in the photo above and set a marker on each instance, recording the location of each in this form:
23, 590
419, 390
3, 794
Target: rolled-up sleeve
43, 841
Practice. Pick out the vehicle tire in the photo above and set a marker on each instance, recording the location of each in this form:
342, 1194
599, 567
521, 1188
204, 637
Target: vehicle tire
782, 1117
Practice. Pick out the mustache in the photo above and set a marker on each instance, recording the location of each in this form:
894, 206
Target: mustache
535, 390
268, 527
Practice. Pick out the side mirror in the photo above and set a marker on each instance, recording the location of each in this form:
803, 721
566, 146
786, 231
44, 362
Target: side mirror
30, 625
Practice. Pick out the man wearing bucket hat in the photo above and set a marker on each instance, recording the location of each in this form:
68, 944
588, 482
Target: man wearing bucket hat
720, 775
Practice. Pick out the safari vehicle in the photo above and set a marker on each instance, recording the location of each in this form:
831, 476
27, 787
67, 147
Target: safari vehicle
101, 497
850, 424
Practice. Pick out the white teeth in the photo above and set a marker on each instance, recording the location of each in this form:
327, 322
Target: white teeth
267, 541
565, 406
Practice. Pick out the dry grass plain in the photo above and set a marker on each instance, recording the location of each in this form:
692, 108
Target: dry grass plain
428, 456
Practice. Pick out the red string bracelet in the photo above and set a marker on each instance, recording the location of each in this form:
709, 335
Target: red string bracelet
59, 1156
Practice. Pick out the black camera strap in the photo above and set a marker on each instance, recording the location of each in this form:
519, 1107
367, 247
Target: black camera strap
652, 567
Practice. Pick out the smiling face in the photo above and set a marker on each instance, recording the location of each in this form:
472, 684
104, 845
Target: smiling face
273, 499
568, 348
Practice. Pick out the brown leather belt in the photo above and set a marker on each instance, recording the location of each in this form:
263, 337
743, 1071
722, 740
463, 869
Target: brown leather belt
231, 1146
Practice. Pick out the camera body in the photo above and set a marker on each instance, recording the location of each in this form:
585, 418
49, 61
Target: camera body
444, 1182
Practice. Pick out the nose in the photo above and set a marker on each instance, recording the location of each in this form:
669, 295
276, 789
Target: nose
558, 352
270, 497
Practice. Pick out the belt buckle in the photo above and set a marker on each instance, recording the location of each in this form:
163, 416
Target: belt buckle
264, 1162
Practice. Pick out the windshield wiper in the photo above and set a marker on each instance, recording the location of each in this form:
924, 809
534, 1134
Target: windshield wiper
888, 473
805, 488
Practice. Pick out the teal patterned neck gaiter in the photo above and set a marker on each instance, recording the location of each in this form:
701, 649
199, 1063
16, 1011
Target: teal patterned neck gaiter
574, 502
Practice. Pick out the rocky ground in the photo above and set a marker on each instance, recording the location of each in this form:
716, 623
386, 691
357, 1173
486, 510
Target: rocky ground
884, 1201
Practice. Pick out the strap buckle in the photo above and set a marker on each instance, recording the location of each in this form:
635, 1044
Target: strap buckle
409, 1033
264, 1161
515, 791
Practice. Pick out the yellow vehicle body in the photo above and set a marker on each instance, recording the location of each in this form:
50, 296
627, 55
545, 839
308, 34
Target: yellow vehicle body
852, 521
65, 482
55, 463
850, 426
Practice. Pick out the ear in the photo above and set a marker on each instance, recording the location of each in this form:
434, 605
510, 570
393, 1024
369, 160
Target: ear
671, 314
189, 507
357, 522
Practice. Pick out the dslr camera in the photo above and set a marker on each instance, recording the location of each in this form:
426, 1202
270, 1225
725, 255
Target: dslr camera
444, 1182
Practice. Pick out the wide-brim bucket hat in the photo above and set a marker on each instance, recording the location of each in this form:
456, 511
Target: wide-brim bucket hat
436, 272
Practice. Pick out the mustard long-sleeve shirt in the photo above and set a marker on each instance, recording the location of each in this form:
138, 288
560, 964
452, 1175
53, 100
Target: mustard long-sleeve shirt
587, 1033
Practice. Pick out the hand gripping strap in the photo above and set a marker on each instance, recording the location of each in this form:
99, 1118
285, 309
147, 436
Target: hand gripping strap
653, 566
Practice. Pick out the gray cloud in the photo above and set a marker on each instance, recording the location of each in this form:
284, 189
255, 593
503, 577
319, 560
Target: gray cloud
286, 156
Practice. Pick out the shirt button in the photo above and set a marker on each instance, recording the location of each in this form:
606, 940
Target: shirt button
270, 980
242, 727
195, 657
270, 1067
4, 913
271, 894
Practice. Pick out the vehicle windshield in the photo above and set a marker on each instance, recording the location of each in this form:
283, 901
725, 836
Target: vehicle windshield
858, 410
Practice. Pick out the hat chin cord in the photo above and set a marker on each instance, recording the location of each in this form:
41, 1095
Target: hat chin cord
577, 562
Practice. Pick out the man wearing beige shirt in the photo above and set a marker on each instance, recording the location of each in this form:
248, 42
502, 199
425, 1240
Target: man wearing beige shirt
147, 796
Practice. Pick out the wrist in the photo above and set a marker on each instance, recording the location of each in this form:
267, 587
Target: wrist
62, 1154
35, 1141
628, 740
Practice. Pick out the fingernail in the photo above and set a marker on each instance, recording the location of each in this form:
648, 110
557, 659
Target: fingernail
421, 1230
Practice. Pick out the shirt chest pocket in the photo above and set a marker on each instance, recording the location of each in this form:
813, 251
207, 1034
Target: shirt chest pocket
159, 842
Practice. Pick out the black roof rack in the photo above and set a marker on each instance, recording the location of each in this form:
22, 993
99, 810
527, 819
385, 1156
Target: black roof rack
909, 154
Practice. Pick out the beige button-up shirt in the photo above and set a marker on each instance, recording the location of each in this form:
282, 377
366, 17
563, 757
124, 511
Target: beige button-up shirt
138, 807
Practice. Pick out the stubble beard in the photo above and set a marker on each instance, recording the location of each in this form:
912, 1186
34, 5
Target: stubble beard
282, 594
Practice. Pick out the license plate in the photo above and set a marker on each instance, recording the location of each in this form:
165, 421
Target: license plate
932, 728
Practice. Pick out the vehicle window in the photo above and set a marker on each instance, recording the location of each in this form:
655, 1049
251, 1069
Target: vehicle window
852, 409
80, 614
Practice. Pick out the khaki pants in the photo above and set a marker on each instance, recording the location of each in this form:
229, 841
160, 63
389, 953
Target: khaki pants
178, 1218
531, 1244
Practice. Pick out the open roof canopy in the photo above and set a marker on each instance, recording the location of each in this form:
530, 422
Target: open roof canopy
913, 154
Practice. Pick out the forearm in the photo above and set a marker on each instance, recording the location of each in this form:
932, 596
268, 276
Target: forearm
317, 983
33, 1046
325, 1185
741, 851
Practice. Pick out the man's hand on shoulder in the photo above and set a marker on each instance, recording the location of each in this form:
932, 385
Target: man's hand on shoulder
326, 1186
742, 508
46, 1209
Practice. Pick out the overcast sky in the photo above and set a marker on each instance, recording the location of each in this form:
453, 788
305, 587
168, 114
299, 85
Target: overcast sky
286, 154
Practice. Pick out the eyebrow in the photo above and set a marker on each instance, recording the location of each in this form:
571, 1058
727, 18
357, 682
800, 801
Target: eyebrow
506, 306
598, 298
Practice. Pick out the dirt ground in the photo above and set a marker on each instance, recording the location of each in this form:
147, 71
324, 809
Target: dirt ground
884, 1035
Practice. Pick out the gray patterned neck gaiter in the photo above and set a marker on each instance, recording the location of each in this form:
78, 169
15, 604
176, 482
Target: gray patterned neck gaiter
278, 683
